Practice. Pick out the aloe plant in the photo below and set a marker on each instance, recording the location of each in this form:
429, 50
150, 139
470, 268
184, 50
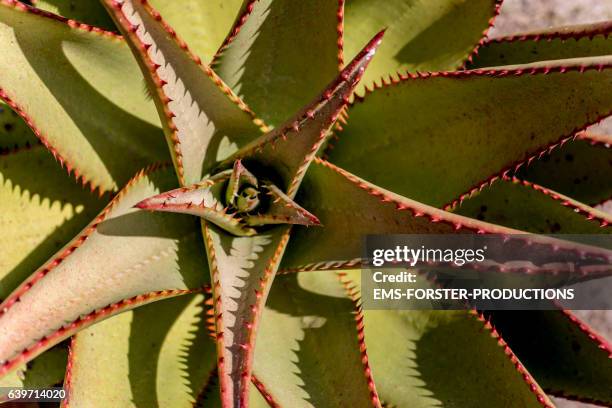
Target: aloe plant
240, 286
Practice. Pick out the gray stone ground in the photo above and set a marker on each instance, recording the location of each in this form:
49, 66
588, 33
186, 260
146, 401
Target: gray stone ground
527, 15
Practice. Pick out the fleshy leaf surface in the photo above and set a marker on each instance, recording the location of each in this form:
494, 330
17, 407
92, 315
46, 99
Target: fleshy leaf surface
81, 92
579, 41
563, 353
310, 325
202, 119
202, 24
84, 11
158, 355
444, 358
530, 207
289, 149
242, 271
40, 211
373, 210
280, 53
121, 260
436, 137
350, 208
580, 169
422, 35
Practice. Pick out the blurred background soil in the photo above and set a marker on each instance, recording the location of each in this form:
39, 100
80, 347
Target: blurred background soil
528, 15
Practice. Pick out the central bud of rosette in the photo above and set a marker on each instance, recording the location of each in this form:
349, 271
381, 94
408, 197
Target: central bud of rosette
235, 200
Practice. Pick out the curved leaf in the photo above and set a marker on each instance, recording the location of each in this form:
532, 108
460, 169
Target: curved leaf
437, 137
567, 358
580, 169
316, 360
158, 355
202, 119
372, 210
350, 208
122, 259
82, 94
202, 24
282, 54
40, 211
579, 41
528, 207
289, 149
422, 35
444, 358
85, 11
242, 271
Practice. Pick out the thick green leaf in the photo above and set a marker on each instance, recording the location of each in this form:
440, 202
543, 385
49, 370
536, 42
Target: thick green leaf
41, 209
566, 357
528, 207
242, 271
203, 121
372, 210
283, 54
444, 358
350, 208
437, 137
579, 41
580, 169
422, 35
122, 254
202, 24
308, 353
289, 149
158, 355
13, 130
84, 11
82, 93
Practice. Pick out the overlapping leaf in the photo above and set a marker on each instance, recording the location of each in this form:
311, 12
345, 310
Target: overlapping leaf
532, 208
435, 138
282, 55
372, 210
579, 41
567, 358
203, 25
89, 117
310, 326
580, 169
158, 355
242, 271
422, 35
444, 358
40, 211
123, 254
85, 11
243, 268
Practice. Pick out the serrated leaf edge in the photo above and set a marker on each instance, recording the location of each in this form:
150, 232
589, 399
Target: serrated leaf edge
251, 322
514, 167
143, 50
77, 242
349, 288
485, 34
576, 32
520, 368
87, 320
